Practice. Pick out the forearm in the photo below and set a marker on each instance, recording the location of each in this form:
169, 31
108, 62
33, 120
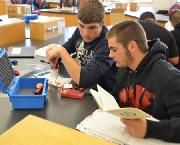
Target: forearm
174, 60
72, 67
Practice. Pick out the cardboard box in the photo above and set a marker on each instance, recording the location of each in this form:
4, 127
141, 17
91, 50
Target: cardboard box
133, 6
3, 7
23, 92
11, 31
18, 10
117, 10
122, 6
45, 28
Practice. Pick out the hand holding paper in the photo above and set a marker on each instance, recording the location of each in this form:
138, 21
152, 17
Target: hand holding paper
107, 103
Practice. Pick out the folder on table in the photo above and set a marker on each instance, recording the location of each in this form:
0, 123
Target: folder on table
21, 52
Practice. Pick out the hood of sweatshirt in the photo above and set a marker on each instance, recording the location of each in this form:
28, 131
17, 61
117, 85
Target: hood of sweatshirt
157, 50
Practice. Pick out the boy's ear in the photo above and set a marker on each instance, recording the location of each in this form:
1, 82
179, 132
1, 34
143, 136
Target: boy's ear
132, 46
173, 24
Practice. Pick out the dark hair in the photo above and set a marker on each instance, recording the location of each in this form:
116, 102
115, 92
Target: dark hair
174, 17
92, 11
127, 31
147, 16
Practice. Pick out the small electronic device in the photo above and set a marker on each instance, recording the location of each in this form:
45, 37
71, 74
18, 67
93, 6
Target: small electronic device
71, 90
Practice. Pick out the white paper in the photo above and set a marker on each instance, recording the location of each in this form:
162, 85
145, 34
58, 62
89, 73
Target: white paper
105, 125
67, 86
52, 77
16, 50
41, 51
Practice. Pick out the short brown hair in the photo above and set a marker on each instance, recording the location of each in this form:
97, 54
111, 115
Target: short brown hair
147, 16
175, 17
92, 11
127, 31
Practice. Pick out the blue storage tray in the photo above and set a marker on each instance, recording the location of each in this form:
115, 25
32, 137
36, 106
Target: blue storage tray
14, 86
28, 100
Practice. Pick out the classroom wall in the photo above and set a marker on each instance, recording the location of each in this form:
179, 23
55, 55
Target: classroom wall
163, 4
160, 4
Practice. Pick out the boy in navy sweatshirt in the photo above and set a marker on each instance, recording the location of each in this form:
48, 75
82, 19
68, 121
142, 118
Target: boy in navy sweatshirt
91, 47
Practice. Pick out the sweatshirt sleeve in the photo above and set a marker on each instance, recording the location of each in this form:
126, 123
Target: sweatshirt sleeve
99, 64
168, 129
173, 50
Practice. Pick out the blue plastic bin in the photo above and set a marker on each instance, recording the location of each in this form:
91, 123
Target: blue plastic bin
14, 86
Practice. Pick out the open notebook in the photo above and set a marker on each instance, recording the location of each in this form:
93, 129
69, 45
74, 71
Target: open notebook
107, 103
108, 126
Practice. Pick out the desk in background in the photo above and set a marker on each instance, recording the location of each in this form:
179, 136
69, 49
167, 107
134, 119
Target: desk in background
39, 44
161, 19
118, 15
69, 15
9, 29
110, 19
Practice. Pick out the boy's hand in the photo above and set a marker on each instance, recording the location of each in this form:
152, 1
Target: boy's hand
53, 53
135, 127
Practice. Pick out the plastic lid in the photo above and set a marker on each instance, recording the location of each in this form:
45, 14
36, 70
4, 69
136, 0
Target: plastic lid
6, 72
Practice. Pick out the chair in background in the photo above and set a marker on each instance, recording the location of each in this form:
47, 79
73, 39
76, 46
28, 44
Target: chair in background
38, 4
16, 1
30, 2
174, 7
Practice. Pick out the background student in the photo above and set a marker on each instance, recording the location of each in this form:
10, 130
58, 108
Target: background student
153, 31
91, 47
175, 22
145, 80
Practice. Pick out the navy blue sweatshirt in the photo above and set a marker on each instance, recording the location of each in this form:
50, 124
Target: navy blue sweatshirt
155, 88
96, 66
